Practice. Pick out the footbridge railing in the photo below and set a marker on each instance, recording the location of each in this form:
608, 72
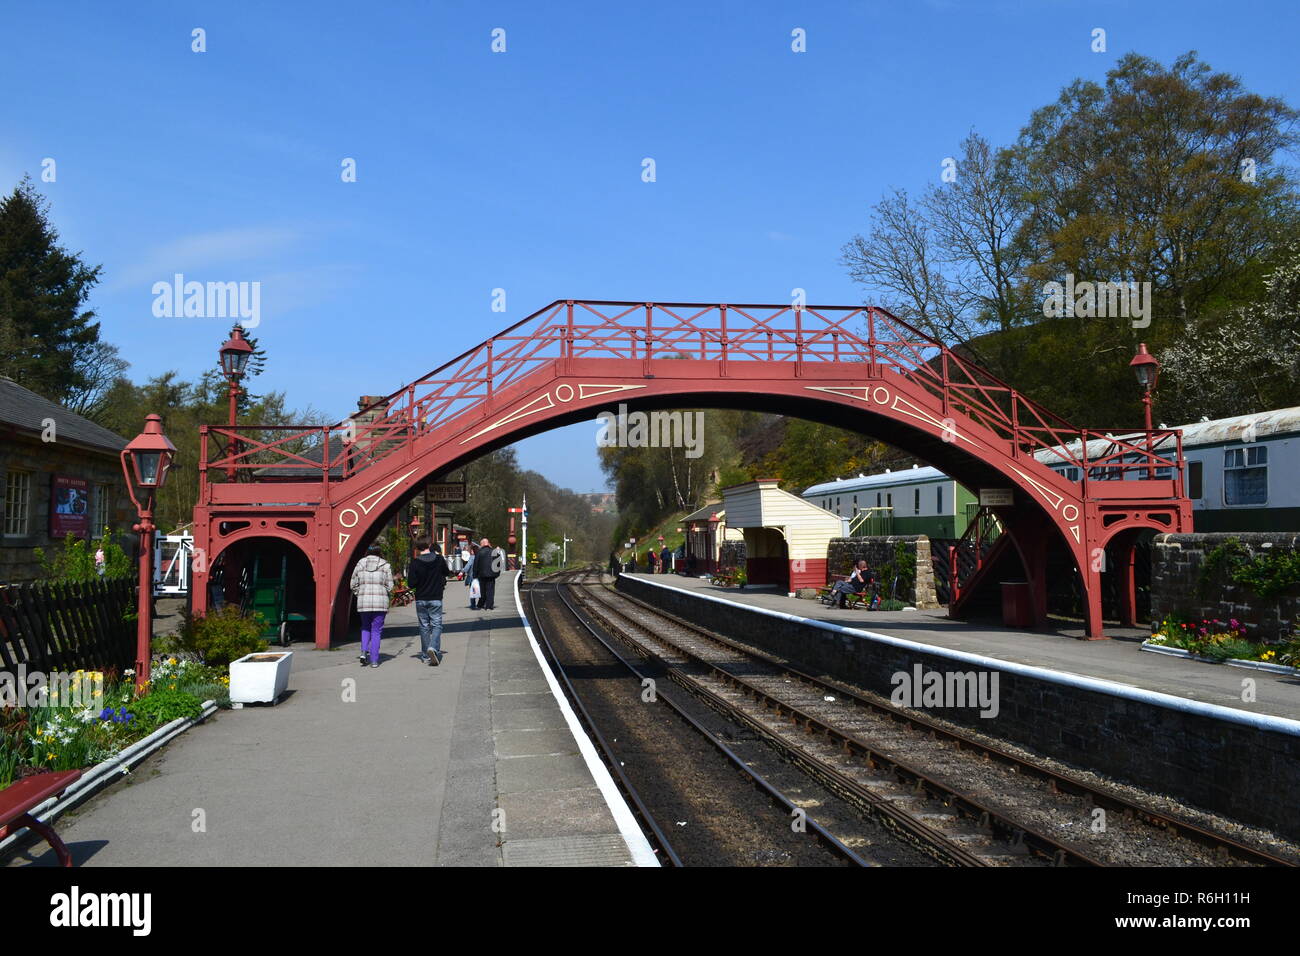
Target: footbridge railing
816, 340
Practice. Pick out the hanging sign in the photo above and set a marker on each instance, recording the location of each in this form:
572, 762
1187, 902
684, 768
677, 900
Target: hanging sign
996, 497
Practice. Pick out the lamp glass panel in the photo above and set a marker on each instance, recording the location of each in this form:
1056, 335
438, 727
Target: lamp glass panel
146, 467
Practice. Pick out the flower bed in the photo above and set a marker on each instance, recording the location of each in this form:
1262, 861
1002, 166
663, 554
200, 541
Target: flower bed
74, 734
1224, 642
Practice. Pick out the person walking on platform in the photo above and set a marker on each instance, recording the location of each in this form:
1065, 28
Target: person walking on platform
470, 553
428, 576
665, 560
488, 564
372, 582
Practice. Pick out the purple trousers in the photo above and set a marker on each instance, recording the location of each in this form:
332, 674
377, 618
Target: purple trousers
372, 625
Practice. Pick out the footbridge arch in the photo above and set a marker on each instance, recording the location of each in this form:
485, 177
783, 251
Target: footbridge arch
856, 367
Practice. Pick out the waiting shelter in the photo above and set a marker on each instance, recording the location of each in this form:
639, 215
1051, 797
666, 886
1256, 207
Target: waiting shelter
706, 533
786, 537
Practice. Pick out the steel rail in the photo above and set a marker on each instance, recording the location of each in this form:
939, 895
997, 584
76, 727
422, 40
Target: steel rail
816, 829
1016, 834
1057, 782
611, 761
934, 842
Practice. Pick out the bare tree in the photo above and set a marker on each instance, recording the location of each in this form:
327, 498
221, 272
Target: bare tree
950, 263
99, 367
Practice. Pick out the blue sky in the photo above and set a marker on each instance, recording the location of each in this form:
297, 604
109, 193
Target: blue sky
521, 170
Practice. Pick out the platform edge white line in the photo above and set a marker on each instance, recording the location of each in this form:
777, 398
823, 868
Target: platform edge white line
1271, 722
642, 853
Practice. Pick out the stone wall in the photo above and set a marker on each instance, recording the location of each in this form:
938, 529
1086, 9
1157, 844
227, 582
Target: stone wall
1176, 562
40, 460
1236, 768
841, 553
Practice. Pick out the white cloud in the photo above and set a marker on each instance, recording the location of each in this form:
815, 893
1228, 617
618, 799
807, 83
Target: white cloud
200, 252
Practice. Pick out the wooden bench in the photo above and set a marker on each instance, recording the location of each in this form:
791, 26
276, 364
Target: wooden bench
852, 600
29, 792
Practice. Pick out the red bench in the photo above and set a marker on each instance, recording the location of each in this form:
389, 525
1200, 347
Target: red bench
29, 792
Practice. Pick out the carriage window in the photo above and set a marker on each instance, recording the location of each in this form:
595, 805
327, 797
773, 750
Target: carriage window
877, 499
1194, 479
938, 499
1245, 476
916, 502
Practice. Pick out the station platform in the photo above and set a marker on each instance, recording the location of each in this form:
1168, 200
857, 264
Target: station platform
1119, 659
472, 763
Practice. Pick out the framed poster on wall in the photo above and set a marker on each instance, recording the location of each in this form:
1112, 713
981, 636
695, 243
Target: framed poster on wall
69, 506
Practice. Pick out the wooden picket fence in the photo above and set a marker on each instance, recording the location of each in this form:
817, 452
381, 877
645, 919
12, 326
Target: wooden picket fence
66, 627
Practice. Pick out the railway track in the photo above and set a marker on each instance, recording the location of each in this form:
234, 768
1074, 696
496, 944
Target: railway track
786, 809
881, 758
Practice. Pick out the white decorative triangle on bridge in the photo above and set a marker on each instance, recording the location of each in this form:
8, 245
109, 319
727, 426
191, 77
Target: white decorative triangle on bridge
595, 391
535, 406
1053, 498
366, 505
531, 408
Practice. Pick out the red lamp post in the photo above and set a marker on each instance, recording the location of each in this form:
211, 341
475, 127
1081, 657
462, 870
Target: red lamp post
234, 362
150, 455
1147, 369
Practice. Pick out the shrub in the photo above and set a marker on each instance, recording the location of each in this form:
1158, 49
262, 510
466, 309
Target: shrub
164, 705
75, 560
216, 638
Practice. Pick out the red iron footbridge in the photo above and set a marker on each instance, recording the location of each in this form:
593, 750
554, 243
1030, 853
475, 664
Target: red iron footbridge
328, 490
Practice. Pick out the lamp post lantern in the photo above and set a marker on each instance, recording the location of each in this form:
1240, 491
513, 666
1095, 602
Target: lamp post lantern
1146, 367
145, 461
234, 362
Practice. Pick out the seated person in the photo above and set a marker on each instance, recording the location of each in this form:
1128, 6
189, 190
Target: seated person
857, 583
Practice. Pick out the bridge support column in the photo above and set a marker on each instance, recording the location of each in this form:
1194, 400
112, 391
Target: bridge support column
1031, 534
1094, 629
200, 570
1125, 553
324, 598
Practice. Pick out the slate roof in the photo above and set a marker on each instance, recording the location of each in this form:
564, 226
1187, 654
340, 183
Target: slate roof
705, 513
22, 408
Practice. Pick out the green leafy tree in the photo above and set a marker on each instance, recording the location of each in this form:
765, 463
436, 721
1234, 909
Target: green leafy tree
44, 325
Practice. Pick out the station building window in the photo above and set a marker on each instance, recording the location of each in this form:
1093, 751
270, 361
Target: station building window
1245, 476
18, 503
102, 495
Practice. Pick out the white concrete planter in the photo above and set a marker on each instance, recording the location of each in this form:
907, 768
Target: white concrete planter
1262, 666
259, 678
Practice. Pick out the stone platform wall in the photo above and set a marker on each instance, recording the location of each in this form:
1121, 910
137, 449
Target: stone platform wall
1176, 562
1243, 765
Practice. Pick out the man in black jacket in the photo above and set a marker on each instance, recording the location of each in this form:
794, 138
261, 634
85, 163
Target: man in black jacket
428, 575
487, 568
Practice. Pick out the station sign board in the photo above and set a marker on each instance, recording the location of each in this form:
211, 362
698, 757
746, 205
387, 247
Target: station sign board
996, 497
446, 492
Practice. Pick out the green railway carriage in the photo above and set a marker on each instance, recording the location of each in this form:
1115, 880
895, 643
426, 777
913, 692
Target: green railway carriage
917, 500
